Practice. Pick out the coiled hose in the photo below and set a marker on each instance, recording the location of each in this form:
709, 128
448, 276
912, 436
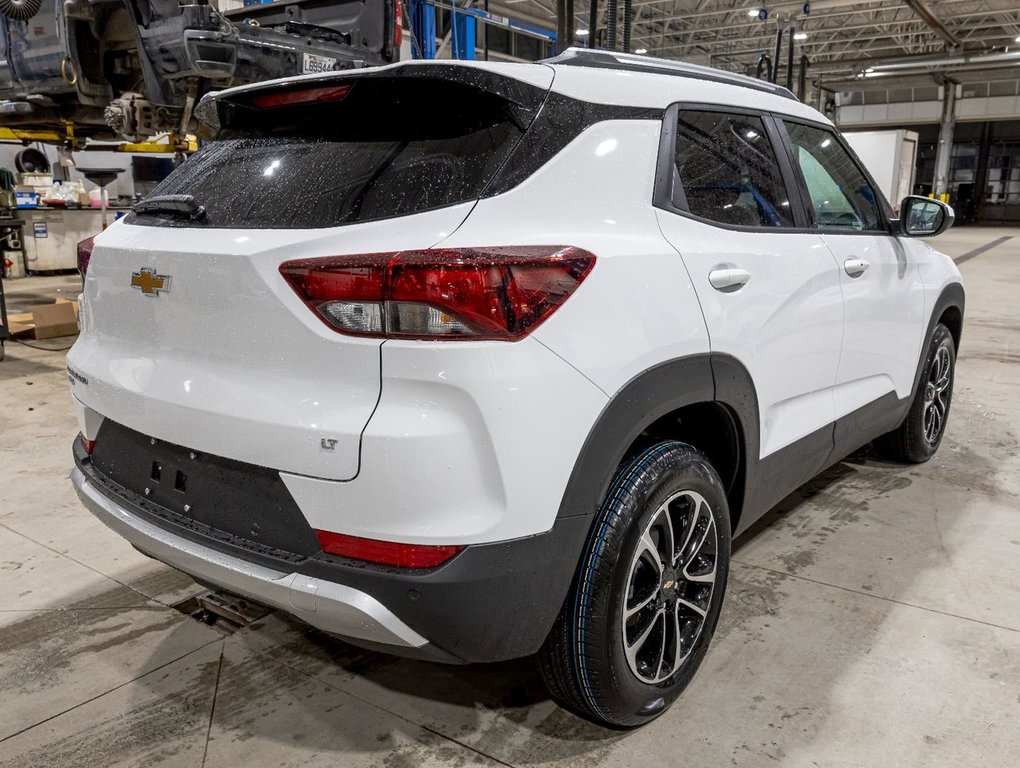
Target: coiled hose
628, 17
610, 25
20, 10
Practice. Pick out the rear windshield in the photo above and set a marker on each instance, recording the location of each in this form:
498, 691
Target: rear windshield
388, 148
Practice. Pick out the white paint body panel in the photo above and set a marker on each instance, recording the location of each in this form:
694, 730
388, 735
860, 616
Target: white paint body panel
638, 307
785, 325
885, 319
230, 361
472, 442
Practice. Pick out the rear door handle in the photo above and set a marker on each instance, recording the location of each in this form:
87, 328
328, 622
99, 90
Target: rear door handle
856, 267
728, 279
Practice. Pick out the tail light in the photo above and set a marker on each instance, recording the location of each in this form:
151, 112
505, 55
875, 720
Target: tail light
85, 255
398, 23
275, 99
500, 293
386, 552
87, 444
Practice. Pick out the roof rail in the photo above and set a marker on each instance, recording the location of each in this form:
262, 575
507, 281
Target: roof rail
629, 62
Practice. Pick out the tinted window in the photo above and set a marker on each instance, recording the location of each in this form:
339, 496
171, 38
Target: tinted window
728, 170
385, 150
840, 194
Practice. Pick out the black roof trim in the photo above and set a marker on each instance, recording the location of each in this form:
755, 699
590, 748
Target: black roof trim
587, 57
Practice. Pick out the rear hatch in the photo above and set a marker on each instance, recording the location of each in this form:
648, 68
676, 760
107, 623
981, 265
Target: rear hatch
190, 333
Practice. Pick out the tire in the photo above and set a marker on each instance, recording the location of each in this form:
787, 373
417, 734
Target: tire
624, 671
919, 436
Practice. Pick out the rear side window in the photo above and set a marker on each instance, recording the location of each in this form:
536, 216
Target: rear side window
387, 148
840, 194
728, 170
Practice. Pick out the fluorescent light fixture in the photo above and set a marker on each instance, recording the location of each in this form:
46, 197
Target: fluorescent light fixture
582, 33
640, 50
753, 13
826, 143
1017, 39
800, 35
870, 69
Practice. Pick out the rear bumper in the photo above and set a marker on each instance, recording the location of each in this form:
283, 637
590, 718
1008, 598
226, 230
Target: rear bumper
326, 605
491, 602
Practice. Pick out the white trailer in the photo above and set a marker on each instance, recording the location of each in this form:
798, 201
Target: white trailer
891, 158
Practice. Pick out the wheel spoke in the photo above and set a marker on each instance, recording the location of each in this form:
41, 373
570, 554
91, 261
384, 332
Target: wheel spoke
699, 535
633, 649
702, 612
689, 530
697, 576
644, 603
662, 647
663, 522
647, 547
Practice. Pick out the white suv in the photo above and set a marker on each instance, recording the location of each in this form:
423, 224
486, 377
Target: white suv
469, 361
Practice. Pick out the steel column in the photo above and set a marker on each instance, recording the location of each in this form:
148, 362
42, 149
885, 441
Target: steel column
944, 152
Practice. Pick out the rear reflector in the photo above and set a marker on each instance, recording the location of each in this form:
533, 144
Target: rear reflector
87, 444
386, 552
276, 99
85, 254
500, 293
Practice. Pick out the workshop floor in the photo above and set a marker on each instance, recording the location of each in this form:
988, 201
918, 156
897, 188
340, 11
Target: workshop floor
872, 620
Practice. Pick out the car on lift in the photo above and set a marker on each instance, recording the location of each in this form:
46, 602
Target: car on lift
132, 69
507, 380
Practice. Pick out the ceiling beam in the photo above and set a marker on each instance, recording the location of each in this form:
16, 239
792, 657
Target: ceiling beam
928, 17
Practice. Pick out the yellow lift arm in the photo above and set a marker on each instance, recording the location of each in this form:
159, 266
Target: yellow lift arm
185, 144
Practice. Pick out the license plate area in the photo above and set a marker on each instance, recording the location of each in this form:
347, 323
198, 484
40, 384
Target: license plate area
244, 500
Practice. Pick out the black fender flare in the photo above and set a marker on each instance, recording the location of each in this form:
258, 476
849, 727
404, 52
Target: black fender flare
952, 297
647, 397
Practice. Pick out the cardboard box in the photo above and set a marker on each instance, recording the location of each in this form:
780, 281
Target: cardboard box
52, 320
20, 324
46, 321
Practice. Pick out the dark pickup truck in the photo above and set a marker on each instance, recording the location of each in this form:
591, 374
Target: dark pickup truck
130, 69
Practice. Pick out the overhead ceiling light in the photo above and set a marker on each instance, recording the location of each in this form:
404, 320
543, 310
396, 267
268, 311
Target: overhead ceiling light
582, 33
1017, 39
640, 50
800, 35
753, 13
870, 69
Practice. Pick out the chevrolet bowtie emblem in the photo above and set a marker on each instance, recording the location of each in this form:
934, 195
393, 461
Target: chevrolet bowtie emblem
149, 282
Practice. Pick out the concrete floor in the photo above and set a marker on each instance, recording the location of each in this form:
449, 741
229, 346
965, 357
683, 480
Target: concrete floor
873, 619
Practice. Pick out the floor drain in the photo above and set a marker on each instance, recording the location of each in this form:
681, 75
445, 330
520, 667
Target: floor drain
227, 613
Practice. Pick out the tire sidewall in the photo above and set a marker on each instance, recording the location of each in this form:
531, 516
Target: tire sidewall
635, 701
923, 450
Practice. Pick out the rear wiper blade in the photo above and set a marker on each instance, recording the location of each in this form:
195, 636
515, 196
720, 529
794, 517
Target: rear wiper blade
183, 206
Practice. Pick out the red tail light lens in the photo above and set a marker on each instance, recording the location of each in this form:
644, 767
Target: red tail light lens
290, 98
500, 293
386, 552
85, 254
87, 444
398, 23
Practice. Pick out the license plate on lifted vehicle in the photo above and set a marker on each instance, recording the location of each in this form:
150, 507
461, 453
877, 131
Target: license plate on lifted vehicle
312, 62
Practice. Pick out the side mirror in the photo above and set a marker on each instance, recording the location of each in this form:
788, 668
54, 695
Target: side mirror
924, 216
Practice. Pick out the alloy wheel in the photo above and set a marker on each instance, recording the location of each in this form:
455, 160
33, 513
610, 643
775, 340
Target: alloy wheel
936, 398
669, 589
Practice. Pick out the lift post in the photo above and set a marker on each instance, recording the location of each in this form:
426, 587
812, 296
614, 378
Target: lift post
463, 34
423, 29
